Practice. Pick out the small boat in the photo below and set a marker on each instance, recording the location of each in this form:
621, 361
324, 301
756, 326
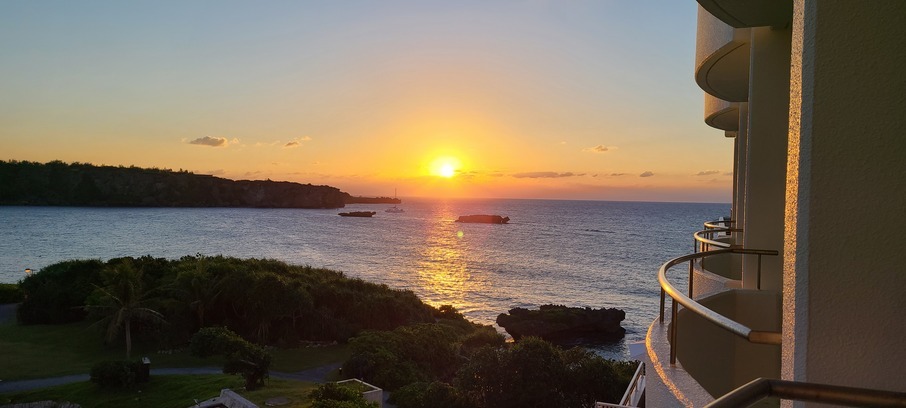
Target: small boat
394, 209
357, 214
483, 219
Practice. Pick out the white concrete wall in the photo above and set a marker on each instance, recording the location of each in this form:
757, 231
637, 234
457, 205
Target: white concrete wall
768, 110
719, 360
844, 274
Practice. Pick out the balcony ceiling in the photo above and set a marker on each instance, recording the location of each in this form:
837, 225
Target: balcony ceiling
751, 13
726, 119
725, 73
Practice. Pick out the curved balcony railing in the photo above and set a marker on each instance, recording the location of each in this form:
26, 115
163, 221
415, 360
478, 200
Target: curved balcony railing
761, 388
704, 244
704, 240
679, 298
719, 224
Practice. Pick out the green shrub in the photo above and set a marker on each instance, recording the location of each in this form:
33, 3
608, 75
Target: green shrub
115, 374
333, 395
10, 293
242, 357
428, 395
57, 293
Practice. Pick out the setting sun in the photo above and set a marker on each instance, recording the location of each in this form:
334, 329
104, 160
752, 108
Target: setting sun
447, 170
445, 167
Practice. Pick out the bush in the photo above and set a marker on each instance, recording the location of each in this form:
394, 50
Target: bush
57, 293
428, 395
115, 374
10, 293
535, 373
333, 395
242, 357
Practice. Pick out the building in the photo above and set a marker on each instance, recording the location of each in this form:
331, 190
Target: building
806, 282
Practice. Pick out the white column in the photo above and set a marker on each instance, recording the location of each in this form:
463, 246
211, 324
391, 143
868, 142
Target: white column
844, 274
766, 149
739, 172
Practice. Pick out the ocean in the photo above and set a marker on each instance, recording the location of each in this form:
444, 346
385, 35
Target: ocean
574, 253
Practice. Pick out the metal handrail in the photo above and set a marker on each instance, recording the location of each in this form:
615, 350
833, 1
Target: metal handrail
701, 241
738, 329
713, 224
761, 388
633, 385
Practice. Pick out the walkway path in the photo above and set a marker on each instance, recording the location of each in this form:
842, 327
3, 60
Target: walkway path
8, 312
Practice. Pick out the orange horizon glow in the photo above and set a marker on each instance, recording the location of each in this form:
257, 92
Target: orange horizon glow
435, 100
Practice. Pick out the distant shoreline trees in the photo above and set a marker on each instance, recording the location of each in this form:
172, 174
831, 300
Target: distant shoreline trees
81, 184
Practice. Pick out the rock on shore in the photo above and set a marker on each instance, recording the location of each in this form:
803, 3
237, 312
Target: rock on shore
561, 324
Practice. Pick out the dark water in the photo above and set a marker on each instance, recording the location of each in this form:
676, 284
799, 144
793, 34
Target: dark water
576, 253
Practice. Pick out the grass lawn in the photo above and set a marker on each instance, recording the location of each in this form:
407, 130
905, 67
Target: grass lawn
292, 360
52, 350
178, 391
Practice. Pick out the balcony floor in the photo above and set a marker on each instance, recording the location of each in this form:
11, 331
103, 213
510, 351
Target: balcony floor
669, 385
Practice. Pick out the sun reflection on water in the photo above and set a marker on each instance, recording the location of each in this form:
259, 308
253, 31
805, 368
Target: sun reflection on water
443, 268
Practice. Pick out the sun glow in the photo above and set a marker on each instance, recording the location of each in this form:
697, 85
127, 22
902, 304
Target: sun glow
445, 167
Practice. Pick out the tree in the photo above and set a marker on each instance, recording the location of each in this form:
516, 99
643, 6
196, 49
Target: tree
199, 289
122, 302
246, 359
428, 395
534, 373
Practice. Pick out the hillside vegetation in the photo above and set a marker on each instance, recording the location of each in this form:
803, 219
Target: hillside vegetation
80, 184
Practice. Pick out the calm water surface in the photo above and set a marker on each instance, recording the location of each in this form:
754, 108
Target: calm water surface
576, 253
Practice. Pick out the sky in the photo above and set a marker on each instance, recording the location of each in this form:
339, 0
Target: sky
591, 100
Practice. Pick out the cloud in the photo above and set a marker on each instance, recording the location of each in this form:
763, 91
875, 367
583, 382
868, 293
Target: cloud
707, 172
646, 174
597, 149
217, 172
212, 141
617, 174
296, 142
729, 173
544, 174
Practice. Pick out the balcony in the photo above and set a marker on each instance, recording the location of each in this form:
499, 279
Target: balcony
721, 114
724, 338
718, 272
722, 59
719, 360
741, 14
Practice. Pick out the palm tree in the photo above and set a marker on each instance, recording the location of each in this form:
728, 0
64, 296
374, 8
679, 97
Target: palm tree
199, 288
122, 302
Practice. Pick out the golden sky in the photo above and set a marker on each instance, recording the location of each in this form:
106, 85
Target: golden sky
531, 99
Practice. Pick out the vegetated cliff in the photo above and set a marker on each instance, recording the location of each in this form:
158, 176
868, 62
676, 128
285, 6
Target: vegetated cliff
79, 184
561, 324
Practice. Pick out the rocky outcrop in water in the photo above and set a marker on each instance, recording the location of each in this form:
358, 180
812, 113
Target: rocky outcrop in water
561, 324
77, 184
483, 219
